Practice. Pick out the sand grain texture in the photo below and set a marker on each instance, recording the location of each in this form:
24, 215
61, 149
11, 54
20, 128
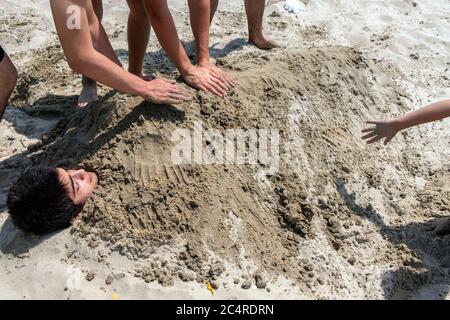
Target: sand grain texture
338, 220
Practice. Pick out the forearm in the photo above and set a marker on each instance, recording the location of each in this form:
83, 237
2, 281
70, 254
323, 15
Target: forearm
165, 30
96, 66
200, 12
79, 49
433, 112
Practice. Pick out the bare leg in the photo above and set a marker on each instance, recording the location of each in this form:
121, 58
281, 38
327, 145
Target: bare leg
101, 44
8, 79
89, 91
214, 5
200, 13
162, 22
98, 9
138, 36
98, 34
255, 15
95, 15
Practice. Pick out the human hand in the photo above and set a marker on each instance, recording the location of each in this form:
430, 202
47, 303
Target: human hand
224, 76
383, 129
166, 92
203, 79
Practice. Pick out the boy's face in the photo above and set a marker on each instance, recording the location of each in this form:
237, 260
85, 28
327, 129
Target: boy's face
78, 183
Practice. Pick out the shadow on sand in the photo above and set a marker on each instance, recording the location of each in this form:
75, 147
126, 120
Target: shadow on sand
16, 242
158, 61
81, 125
432, 250
73, 139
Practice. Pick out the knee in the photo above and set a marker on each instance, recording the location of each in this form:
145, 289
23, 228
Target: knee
137, 9
156, 8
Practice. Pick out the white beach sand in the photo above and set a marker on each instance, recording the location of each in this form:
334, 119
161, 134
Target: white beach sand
408, 41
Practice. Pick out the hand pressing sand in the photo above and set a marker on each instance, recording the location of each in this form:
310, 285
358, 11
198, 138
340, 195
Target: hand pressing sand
229, 81
167, 92
200, 16
203, 79
94, 57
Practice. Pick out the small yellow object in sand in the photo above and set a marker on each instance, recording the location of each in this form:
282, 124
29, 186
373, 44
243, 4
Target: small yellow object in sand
115, 296
210, 288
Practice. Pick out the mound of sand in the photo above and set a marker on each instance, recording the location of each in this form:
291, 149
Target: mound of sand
303, 222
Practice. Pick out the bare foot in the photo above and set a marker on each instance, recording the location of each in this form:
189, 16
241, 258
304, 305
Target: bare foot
145, 77
262, 43
441, 226
88, 93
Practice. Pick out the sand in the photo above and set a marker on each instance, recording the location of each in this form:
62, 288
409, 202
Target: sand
338, 219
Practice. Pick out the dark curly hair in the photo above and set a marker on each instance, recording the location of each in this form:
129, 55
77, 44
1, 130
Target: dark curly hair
39, 203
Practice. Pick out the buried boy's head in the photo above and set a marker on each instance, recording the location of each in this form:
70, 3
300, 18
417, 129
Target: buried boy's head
46, 199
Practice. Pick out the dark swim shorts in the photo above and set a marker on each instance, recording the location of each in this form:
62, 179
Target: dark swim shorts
2, 54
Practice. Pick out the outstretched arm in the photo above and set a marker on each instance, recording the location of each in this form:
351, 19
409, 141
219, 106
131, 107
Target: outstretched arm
164, 26
162, 21
433, 112
388, 128
83, 58
200, 15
